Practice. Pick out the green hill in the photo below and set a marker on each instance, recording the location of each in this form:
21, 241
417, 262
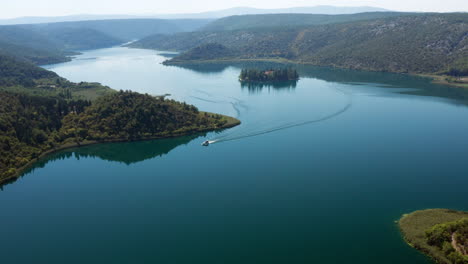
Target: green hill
128, 29
423, 43
55, 42
288, 20
25, 78
76, 39
28, 45
48, 45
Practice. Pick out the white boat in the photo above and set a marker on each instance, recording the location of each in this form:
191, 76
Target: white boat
206, 143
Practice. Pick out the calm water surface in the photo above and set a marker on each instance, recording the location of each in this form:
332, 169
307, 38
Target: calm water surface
317, 173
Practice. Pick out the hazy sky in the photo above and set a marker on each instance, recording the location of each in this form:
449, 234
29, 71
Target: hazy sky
16, 8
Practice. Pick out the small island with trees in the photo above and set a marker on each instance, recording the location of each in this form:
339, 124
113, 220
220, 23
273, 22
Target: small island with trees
441, 234
269, 75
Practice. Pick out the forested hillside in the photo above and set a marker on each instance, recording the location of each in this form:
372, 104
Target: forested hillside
41, 112
288, 20
52, 45
76, 39
55, 42
26, 78
424, 43
128, 29
27, 45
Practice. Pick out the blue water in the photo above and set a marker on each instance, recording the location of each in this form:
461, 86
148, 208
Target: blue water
318, 172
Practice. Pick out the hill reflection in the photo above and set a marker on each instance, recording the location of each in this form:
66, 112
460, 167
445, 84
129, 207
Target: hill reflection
256, 87
125, 152
420, 86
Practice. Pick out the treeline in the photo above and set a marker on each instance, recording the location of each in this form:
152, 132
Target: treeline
444, 236
269, 75
32, 125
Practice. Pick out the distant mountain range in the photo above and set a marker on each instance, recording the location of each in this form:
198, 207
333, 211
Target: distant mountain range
329, 10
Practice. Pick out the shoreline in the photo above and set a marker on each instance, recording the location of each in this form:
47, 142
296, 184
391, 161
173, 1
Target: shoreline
442, 80
413, 226
232, 122
436, 79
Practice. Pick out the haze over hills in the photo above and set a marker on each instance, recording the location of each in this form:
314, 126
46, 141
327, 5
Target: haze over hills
52, 43
203, 15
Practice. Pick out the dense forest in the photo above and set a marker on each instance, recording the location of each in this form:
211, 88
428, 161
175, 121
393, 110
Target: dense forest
422, 43
269, 75
33, 125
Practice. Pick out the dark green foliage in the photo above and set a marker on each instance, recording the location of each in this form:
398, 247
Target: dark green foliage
441, 236
32, 125
28, 45
423, 43
28, 126
269, 75
459, 68
13, 72
129, 115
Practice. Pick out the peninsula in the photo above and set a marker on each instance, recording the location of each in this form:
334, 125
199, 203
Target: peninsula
42, 112
441, 234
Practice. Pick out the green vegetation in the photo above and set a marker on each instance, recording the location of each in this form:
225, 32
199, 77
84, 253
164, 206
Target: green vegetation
131, 116
75, 39
127, 29
290, 20
440, 233
270, 75
208, 51
53, 43
32, 126
26, 78
27, 45
409, 43
42, 113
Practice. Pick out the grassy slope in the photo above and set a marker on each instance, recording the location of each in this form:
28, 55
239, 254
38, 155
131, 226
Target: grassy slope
413, 227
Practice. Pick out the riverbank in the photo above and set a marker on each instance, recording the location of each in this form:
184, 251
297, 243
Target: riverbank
413, 227
230, 122
447, 80
437, 79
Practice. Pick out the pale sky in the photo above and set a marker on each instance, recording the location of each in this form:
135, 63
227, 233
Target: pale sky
18, 8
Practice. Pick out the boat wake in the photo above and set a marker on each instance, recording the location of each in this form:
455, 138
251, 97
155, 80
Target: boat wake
236, 136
